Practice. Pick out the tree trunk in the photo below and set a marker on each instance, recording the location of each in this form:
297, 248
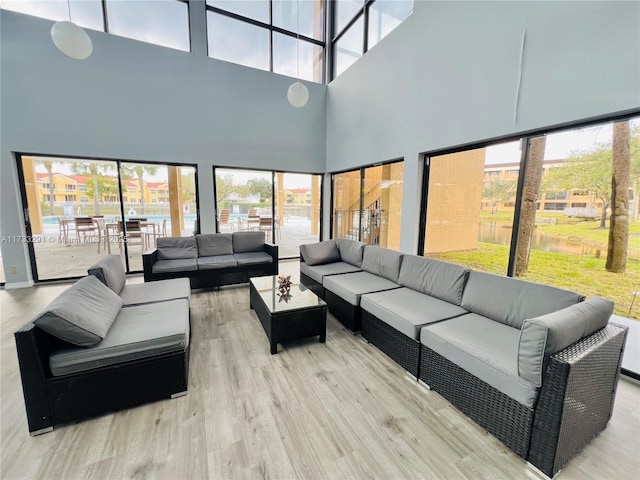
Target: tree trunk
530, 192
603, 215
141, 185
52, 192
96, 196
619, 221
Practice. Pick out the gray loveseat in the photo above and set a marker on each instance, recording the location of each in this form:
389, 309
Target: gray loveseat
102, 346
536, 366
212, 260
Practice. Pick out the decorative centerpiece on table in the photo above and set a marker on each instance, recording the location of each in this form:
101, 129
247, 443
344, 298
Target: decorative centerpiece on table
284, 285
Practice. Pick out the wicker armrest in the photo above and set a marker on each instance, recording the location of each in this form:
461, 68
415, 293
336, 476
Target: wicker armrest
148, 259
576, 398
34, 346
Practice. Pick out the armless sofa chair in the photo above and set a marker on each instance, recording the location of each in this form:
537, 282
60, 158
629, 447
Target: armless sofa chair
102, 346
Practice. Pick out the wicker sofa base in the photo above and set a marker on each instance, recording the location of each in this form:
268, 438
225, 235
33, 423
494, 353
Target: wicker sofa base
216, 277
505, 418
69, 398
402, 349
576, 398
312, 285
347, 314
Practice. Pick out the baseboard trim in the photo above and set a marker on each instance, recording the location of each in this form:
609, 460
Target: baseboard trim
17, 285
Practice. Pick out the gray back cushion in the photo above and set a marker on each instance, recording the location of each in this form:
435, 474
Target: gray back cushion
177, 248
320, 253
82, 314
248, 242
351, 251
435, 278
213, 244
110, 271
382, 262
545, 335
510, 300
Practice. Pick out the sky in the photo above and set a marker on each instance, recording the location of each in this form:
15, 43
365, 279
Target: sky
559, 145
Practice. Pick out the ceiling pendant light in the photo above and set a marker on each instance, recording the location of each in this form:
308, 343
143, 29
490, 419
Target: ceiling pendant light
297, 94
71, 39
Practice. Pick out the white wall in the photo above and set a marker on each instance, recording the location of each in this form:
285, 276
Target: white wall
135, 101
449, 76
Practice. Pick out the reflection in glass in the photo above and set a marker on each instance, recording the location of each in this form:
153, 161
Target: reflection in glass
284, 56
345, 10
311, 17
349, 48
161, 22
85, 13
256, 9
384, 16
346, 205
470, 207
382, 205
238, 42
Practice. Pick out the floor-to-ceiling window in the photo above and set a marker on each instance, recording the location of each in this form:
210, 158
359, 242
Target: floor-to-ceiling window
564, 213
469, 209
367, 204
80, 209
285, 206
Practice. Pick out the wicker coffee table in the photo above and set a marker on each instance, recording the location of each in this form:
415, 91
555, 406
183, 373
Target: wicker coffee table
300, 315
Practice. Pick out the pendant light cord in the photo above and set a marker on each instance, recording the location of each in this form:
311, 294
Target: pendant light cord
69, 8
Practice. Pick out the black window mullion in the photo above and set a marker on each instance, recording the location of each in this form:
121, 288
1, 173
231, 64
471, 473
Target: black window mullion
105, 21
365, 29
271, 40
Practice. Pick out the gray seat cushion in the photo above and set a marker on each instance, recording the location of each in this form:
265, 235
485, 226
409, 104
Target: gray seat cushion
382, 262
253, 258
510, 300
436, 278
351, 251
175, 248
486, 349
543, 336
407, 310
82, 314
318, 272
219, 261
110, 271
320, 253
213, 244
173, 266
160, 291
248, 242
351, 286
139, 332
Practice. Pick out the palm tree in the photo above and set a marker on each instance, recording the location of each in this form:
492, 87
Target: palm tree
619, 220
48, 164
138, 171
95, 170
532, 182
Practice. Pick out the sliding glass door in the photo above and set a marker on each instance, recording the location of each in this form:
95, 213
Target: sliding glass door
80, 209
367, 204
286, 206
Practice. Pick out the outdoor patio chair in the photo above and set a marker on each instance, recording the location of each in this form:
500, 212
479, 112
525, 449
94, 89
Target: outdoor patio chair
223, 220
253, 219
85, 227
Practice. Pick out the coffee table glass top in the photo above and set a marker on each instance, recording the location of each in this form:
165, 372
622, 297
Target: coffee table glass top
299, 296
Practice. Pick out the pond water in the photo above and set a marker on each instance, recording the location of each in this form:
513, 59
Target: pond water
500, 234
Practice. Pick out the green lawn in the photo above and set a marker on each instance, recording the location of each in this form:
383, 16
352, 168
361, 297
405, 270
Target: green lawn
584, 274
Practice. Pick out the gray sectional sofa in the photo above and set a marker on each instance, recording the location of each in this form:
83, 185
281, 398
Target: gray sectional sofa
102, 346
536, 366
211, 260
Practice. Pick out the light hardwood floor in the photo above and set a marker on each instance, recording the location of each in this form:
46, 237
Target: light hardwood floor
330, 411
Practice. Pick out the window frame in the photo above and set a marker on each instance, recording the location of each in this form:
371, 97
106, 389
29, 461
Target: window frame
271, 29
